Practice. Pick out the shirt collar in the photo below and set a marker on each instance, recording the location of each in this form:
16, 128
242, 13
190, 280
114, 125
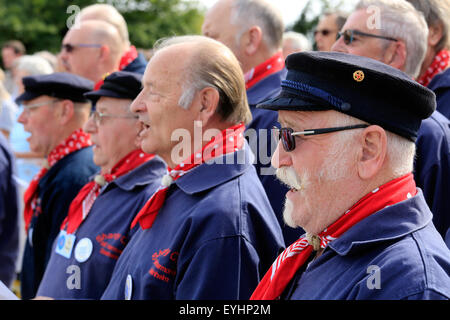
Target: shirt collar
209, 174
387, 224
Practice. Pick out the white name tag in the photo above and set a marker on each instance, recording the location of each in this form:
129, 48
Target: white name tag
64, 244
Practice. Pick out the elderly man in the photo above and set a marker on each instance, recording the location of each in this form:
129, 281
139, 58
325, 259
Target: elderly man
208, 232
401, 42
55, 111
253, 30
99, 217
347, 154
131, 60
92, 49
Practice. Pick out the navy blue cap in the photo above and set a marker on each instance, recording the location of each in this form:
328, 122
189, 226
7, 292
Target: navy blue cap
120, 84
60, 85
358, 86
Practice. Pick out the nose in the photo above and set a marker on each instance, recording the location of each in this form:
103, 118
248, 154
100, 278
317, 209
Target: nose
90, 125
22, 117
339, 46
138, 105
280, 157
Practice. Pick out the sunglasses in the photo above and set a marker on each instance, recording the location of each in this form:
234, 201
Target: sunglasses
348, 36
287, 135
323, 32
70, 47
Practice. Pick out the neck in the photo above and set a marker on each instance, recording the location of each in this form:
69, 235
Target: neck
429, 57
258, 58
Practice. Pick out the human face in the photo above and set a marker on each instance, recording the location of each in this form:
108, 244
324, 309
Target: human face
82, 60
361, 45
157, 104
8, 57
316, 172
325, 33
218, 27
41, 123
114, 136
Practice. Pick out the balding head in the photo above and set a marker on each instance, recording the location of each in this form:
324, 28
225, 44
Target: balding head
91, 49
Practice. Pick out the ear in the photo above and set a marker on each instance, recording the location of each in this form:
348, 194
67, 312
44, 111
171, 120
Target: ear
252, 40
105, 52
395, 55
209, 101
435, 34
66, 111
372, 153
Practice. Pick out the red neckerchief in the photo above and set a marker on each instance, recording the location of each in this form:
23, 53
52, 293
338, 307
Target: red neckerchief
290, 260
228, 141
126, 59
76, 141
439, 64
265, 69
82, 204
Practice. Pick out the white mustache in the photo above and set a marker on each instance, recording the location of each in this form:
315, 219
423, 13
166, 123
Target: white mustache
289, 177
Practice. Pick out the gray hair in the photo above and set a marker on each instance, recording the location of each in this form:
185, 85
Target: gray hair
246, 13
436, 12
400, 151
33, 65
340, 19
400, 20
214, 66
298, 40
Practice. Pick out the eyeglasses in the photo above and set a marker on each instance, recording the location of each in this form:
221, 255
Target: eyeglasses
70, 47
348, 36
98, 116
323, 32
28, 107
287, 135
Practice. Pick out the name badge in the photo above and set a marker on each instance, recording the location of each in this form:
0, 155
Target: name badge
64, 244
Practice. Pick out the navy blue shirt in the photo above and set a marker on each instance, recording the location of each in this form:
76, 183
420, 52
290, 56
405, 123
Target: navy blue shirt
441, 85
9, 228
395, 253
260, 128
56, 190
108, 229
432, 168
138, 65
214, 238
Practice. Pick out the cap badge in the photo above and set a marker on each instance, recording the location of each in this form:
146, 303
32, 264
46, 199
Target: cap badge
358, 76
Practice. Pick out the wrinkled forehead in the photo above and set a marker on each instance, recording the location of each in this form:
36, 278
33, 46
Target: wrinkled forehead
306, 119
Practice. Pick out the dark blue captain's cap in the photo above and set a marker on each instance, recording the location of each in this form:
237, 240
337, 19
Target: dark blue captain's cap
120, 85
60, 85
358, 86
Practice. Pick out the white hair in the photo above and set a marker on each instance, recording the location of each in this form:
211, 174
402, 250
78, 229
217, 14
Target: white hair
33, 65
298, 41
400, 20
246, 13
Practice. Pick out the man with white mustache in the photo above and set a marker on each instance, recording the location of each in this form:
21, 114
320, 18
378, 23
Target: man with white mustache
346, 151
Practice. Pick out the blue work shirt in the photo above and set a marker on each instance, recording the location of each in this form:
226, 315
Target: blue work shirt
214, 238
9, 222
56, 190
396, 253
441, 87
108, 229
432, 168
263, 146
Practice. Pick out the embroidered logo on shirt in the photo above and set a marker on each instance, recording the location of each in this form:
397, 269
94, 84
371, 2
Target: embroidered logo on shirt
111, 244
158, 270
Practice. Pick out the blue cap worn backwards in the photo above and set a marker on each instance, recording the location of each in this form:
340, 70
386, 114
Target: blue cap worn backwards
60, 85
120, 85
358, 86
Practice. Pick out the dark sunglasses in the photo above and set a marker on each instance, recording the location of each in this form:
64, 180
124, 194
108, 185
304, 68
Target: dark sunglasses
287, 135
70, 47
323, 32
348, 36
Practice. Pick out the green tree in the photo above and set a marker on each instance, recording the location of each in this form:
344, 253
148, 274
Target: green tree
42, 24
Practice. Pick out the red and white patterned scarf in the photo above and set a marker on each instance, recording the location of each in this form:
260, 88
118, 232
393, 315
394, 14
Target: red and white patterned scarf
228, 141
82, 204
290, 260
265, 69
76, 141
439, 64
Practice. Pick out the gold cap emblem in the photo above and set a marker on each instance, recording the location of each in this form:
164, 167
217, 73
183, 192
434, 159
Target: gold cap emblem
358, 75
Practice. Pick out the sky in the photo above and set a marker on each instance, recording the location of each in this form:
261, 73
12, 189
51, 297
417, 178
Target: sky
291, 9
